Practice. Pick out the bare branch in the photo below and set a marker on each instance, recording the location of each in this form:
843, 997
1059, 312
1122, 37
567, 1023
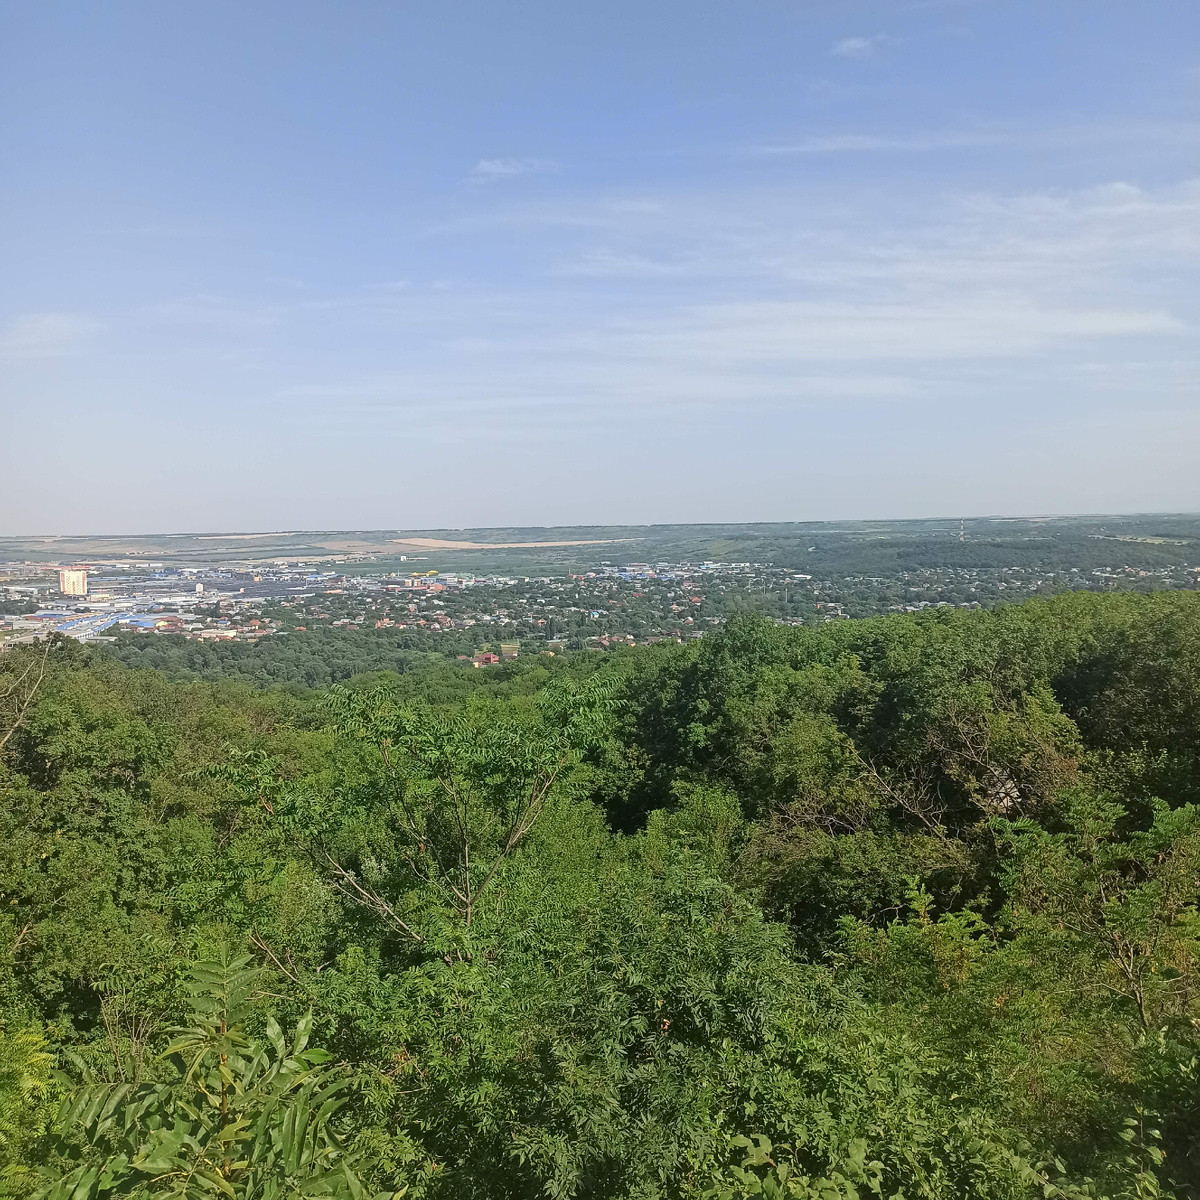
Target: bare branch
903, 799
258, 941
24, 708
349, 886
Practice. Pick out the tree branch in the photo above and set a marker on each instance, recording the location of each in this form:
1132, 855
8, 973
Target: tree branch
369, 898
30, 695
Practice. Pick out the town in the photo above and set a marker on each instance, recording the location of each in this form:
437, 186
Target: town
490, 618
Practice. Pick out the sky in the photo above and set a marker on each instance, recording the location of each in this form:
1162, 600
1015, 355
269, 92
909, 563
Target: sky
300, 265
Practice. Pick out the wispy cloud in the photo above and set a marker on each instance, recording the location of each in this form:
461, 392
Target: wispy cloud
1070, 136
757, 301
45, 335
605, 263
756, 335
748, 299
729, 356
859, 47
950, 139
491, 170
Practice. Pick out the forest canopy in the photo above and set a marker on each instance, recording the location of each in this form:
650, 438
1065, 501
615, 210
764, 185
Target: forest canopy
899, 907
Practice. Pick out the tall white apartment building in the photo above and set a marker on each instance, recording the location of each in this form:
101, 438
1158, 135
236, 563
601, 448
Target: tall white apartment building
72, 581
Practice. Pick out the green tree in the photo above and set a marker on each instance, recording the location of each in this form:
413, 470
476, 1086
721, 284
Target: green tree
236, 1117
457, 792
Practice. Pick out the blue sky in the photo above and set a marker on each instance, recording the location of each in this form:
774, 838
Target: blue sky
369, 265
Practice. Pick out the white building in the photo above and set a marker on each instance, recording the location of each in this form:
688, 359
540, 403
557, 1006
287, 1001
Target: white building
72, 581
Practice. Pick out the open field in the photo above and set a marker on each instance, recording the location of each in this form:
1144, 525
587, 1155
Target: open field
870, 548
420, 543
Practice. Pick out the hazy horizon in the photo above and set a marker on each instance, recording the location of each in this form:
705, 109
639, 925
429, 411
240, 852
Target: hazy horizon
235, 534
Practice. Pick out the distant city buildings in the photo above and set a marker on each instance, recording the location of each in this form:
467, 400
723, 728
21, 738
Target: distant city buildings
72, 581
492, 619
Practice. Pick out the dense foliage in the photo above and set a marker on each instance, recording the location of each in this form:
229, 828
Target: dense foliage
313, 658
898, 907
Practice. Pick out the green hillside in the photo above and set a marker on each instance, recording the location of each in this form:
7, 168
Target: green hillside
897, 907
